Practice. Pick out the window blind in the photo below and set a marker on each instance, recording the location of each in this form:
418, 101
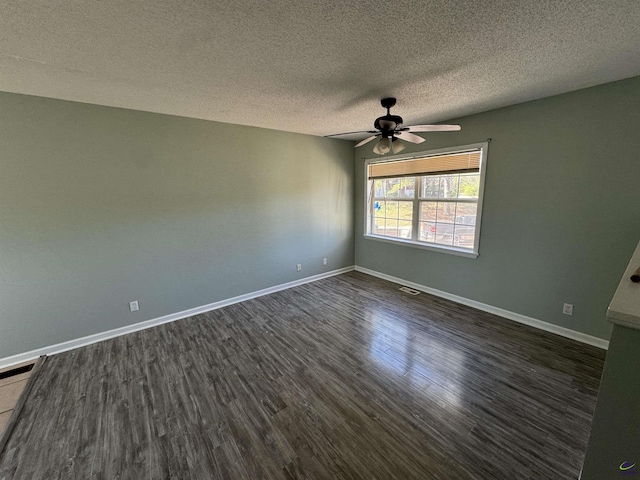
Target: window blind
432, 165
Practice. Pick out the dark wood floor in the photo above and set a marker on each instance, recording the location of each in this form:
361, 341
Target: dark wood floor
343, 378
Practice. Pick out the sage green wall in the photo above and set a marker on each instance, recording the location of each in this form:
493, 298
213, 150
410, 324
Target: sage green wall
100, 206
561, 212
615, 436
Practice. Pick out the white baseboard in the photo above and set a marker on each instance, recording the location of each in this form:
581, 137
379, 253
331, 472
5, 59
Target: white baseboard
98, 337
532, 322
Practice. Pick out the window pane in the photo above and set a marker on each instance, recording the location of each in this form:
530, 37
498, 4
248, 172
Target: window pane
428, 211
390, 187
405, 211
391, 228
394, 219
407, 187
428, 232
404, 229
378, 209
446, 212
378, 227
431, 186
395, 187
466, 213
469, 185
378, 191
449, 186
444, 233
464, 236
390, 209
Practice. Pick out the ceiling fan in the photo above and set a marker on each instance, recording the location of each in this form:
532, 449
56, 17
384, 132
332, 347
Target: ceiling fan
391, 132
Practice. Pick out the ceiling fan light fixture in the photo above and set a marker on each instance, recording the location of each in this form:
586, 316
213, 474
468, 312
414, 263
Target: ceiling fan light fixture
383, 146
397, 145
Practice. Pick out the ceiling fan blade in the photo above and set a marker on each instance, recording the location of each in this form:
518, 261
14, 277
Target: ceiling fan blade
366, 140
410, 137
432, 128
350, 133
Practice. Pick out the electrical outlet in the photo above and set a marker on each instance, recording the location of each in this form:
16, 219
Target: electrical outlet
133, 306
299, 267
567, 309
324, 261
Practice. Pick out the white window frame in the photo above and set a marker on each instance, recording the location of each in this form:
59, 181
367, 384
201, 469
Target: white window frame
465, 252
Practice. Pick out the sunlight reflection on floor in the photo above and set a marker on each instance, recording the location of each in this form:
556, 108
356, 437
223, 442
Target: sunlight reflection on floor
399, 347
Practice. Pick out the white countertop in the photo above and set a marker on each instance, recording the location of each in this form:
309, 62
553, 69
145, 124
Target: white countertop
624, 308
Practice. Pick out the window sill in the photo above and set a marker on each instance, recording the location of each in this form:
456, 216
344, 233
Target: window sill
435, 248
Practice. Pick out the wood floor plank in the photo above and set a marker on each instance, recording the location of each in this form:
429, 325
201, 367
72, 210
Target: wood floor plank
343, 378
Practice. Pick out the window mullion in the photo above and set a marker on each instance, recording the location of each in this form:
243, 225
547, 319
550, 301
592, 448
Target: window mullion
415, 222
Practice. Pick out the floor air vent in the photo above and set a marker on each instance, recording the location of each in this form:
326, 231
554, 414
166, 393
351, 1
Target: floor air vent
16, 371
409, 290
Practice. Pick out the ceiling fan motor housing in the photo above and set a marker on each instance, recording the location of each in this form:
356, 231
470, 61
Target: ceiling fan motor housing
388, 124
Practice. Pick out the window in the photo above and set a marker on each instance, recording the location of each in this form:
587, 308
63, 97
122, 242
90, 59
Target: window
432, 200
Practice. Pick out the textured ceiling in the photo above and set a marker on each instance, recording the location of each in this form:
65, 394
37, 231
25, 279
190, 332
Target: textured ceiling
315, 67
